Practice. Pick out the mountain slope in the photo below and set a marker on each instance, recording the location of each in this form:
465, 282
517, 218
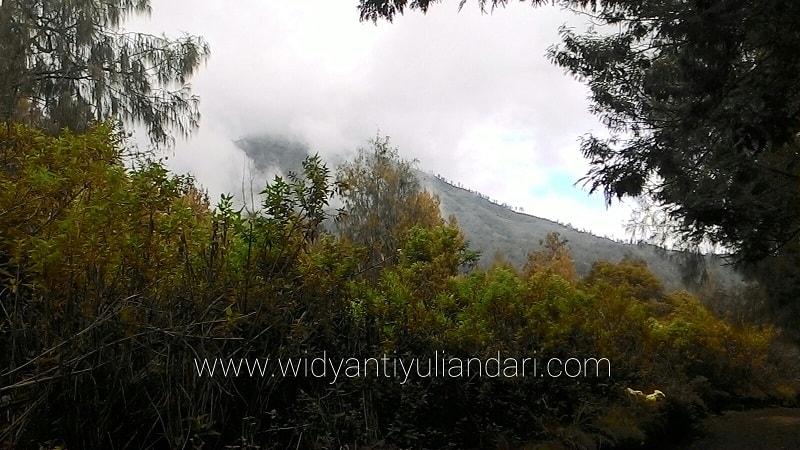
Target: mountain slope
492, 228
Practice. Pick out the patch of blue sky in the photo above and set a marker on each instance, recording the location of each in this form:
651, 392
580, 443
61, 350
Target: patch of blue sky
567, 184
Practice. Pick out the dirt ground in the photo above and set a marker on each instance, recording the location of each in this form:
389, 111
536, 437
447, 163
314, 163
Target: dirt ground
768, 429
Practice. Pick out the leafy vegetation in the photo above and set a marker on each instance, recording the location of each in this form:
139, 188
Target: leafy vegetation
114, 281
382, 200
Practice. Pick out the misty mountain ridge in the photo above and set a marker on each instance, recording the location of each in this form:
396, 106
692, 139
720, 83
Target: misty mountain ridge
274, 152
495, 229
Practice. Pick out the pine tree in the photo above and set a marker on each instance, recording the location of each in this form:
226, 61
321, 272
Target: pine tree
66, 63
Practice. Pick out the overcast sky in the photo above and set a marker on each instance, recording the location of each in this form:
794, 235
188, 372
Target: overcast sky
471, 96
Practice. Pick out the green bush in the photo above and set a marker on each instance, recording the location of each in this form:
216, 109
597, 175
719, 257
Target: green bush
113, 280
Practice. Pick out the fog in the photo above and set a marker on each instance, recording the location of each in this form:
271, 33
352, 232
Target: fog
471, 96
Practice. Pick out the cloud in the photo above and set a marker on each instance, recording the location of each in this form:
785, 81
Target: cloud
471, 96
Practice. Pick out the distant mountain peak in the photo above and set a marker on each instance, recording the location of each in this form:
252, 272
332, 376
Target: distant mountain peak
274, 151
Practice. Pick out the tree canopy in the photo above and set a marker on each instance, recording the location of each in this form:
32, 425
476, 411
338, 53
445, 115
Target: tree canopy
374, 10
66, 63
703, 103
382, 200
704, 107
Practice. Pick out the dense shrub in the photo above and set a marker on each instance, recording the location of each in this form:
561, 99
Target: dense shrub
113, 281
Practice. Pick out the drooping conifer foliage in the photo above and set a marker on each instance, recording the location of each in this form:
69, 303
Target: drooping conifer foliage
66, 63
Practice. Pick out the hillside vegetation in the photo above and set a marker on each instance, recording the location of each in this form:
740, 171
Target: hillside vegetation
491, 227
115, 282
